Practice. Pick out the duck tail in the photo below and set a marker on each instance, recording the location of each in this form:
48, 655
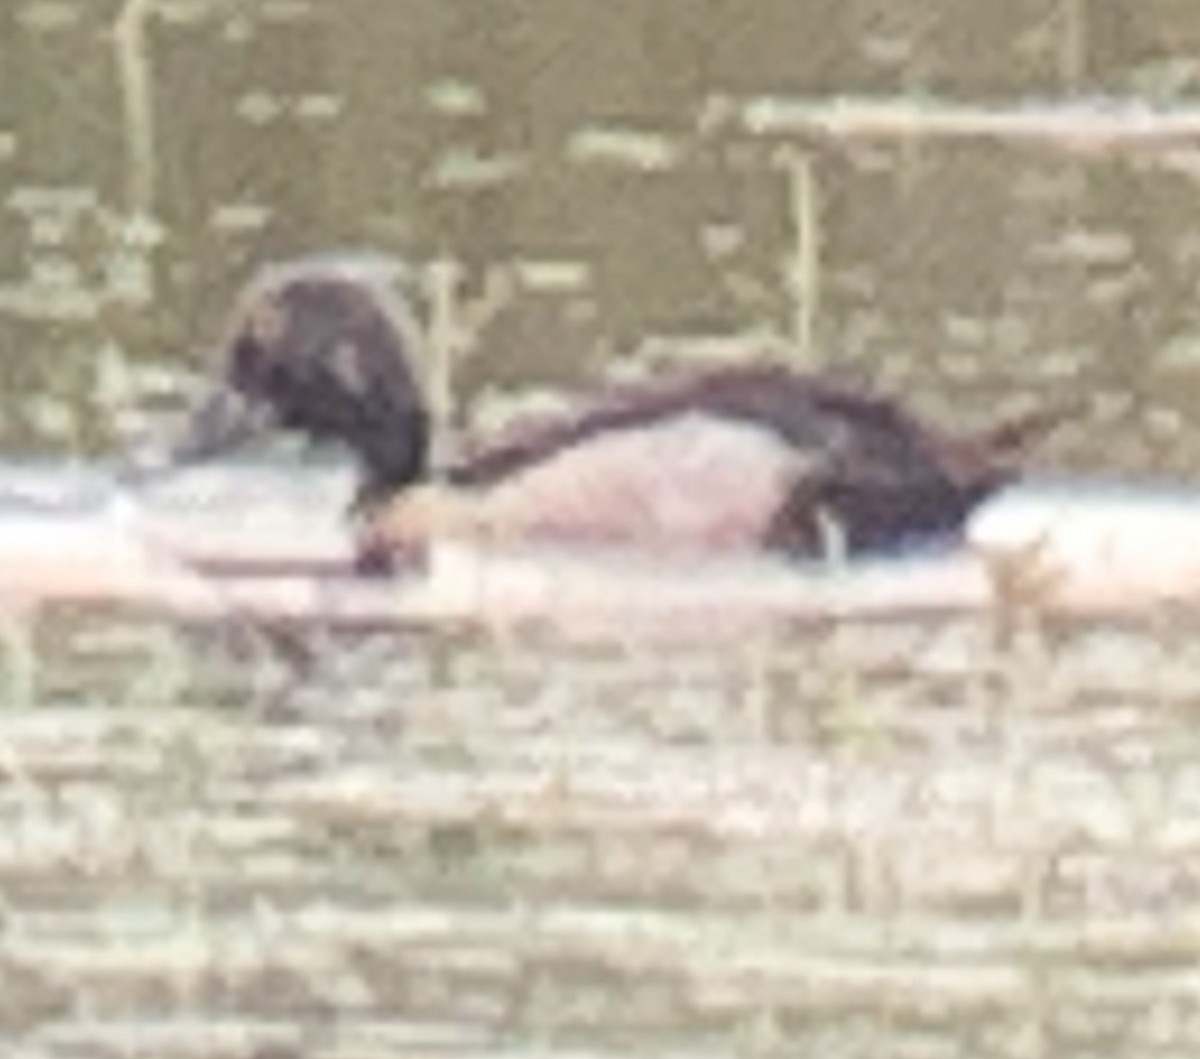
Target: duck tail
987, 458
1012, 437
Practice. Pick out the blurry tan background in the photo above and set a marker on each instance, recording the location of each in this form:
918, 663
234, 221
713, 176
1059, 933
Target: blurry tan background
153, 153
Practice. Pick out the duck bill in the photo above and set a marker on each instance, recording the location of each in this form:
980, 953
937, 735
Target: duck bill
223, 422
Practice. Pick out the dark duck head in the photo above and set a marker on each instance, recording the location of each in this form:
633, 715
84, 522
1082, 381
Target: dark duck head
323, 347
748, 456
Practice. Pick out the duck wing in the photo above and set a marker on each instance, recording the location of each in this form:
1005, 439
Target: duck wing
803, 410
758, 448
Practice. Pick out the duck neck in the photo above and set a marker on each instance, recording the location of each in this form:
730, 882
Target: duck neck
389, 465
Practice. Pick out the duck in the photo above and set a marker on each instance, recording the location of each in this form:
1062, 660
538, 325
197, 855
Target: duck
754, 457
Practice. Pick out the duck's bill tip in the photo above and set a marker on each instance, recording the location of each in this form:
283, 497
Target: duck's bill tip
221, 423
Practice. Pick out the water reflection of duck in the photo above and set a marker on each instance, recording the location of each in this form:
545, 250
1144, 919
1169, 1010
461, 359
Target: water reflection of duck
734, 458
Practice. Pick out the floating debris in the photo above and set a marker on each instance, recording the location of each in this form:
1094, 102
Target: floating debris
625, 147
465, 168
240, 217
456, 98
318, 106
259, 108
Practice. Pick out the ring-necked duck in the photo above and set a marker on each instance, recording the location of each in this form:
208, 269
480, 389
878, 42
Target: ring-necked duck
734, 458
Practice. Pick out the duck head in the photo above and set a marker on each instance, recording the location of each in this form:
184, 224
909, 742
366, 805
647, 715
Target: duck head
323, 348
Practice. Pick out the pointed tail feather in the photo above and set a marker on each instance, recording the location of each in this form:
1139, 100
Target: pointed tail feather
994, 455
1013, 436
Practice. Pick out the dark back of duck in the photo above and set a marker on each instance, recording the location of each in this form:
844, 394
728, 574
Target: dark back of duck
878, 473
